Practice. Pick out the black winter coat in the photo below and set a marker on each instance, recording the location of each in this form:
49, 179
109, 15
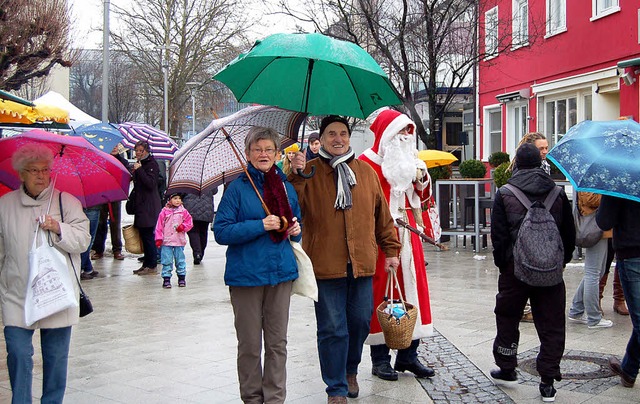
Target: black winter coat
507, 215
145, 183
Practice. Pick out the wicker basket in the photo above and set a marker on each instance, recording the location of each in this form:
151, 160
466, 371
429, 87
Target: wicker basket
132, 242
398, 332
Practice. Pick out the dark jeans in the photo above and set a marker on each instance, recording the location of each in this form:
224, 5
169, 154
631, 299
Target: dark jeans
85, 258
54, 344
343, 315
630, 280
380, 354
198, 237
548, 308
149, 245
115, 229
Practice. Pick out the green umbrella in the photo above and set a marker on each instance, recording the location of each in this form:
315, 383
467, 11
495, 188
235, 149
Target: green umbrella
310, 73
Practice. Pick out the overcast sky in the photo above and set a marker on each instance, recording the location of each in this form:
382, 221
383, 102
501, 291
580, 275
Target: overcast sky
87, 14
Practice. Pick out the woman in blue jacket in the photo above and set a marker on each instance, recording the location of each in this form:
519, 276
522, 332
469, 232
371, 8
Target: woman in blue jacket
260, 266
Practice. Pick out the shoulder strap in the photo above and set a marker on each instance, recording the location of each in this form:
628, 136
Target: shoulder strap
551, 197
520, 195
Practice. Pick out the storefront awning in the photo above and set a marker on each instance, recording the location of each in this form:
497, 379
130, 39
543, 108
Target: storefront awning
514, 96
629, 63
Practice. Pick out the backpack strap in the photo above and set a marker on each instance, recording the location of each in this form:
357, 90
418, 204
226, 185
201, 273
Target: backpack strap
548, 202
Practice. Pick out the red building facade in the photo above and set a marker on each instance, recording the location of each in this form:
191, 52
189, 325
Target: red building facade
553, 63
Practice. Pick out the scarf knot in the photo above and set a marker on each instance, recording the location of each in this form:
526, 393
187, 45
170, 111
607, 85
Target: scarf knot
346, 178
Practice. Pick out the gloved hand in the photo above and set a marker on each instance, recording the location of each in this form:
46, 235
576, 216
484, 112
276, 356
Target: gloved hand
158, 243
180, 228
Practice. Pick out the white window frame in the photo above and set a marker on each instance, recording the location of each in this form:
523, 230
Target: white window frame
519, 23
513, 124
553, 135
556, 17
488, 110
603, 8
491, 33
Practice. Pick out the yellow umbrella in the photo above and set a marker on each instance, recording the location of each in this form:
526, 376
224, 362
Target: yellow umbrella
13, 112
436, 158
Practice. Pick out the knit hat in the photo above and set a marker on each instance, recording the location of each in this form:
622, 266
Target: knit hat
528, 156
292, 149
328, 120
386, 125
313, 137
171, 195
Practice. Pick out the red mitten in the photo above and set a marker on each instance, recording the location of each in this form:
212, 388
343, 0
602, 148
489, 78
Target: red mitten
180, 228
158, 243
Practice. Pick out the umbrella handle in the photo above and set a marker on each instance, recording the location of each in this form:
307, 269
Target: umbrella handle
307, 176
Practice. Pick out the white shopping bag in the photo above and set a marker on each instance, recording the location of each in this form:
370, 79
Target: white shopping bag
49, 289
306, 284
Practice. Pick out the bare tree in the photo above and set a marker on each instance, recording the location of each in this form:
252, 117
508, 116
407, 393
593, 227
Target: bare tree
34, 37
422, 44
194, 38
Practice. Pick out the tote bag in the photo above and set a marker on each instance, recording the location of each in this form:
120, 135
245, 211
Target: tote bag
49, 287
305, 285
587, 231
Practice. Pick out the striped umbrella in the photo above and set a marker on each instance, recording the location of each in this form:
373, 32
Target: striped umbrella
161, 145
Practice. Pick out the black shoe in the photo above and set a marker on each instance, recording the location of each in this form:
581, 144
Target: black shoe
547, 392
88, 275
140, 259
385, 372
505, 376
416, 368
197, 259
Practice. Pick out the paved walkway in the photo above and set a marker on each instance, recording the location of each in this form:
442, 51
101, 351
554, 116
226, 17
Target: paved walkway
144, 344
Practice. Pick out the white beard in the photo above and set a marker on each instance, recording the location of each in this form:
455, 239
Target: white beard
398, 165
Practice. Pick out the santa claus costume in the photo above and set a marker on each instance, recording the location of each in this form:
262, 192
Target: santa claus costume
406, 185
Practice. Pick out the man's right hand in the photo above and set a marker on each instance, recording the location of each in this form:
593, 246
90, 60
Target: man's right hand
298, 162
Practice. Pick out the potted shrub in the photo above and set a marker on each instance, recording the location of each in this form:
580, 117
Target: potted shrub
472, 169
440, 172
501, 174
497, 158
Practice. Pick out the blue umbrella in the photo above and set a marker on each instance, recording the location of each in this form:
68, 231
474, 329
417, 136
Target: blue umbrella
104, 136
601, 157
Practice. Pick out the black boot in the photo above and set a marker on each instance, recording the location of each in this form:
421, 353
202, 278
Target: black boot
415, 367
181, 282
384, 371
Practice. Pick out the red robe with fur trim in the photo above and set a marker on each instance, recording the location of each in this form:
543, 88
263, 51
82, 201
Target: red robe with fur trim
413, 277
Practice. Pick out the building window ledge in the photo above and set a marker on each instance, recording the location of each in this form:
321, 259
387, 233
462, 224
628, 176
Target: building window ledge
556, 32
604, 13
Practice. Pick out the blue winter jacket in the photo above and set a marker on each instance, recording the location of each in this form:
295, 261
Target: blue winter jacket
253, 258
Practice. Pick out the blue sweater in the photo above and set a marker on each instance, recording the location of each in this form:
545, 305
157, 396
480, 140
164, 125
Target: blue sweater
253, 258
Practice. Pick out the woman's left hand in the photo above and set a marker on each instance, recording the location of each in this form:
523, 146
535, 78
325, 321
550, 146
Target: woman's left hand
49, 223
294, 228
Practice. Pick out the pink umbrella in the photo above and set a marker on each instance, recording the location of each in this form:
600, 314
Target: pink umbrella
92, 176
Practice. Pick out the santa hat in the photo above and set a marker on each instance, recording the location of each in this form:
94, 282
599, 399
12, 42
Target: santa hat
388, 123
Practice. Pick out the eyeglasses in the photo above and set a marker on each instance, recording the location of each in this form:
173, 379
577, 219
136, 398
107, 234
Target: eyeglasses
261, 151
36, 171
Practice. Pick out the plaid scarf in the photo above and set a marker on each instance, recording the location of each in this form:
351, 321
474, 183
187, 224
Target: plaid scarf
345, 177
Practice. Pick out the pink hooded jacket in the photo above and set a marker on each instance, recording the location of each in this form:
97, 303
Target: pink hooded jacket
168, 220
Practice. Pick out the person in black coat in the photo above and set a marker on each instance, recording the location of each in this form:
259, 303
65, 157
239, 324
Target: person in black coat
201, 209
147, 205
547, 303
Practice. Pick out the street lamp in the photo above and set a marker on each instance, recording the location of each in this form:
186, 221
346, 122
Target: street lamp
193, 87
164, 58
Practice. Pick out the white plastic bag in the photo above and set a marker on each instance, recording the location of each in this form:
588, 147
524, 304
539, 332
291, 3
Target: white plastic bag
49, 288
306, 284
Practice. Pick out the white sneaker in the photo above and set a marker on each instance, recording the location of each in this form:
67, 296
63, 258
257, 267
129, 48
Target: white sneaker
582, 319
602, 324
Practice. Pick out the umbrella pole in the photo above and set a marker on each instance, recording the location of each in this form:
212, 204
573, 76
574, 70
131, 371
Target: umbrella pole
283, 220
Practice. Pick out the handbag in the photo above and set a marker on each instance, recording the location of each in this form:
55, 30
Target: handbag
305, 285
86, 307
132, 240
49, 288
587, 231
397, 318
130, 206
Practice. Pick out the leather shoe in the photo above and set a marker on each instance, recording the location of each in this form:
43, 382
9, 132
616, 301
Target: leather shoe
385, 372
352, 384
616, 367
416, 368
118, 256
96, 256
196, 259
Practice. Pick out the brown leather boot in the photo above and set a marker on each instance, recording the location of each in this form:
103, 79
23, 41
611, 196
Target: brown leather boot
619, 305
603, 283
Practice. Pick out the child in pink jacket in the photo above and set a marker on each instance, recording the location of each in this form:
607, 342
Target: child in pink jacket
173, 224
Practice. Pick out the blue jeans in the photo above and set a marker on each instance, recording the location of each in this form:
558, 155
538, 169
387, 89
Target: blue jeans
93, 214
168, 254
343, 314
630, 279
54, 343
587, 296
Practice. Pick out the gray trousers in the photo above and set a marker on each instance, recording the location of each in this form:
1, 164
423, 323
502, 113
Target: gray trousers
262, 312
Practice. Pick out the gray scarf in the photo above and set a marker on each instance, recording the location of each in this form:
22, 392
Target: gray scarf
346, 179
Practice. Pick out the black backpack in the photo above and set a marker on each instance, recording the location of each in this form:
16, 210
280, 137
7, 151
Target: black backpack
538, 252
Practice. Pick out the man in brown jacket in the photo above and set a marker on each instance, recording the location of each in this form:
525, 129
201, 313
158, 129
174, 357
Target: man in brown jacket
345, 217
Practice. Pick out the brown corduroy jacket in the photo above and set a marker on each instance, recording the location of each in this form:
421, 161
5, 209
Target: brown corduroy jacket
331, 237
